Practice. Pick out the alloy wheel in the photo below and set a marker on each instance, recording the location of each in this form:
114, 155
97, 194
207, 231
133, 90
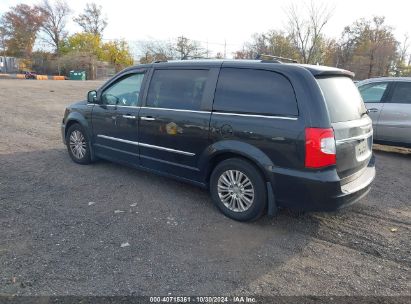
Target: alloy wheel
77, 144
235, 190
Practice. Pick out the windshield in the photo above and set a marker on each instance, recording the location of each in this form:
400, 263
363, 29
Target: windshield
343, 99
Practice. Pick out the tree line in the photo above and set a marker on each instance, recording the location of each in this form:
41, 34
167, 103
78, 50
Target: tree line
24, 25
368, 47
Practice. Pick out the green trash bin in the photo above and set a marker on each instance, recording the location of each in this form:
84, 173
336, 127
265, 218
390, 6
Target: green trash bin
77, 75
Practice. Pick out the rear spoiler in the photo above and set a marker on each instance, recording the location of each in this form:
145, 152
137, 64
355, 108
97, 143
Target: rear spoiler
325, 71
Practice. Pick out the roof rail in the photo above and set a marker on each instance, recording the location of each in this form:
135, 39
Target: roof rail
159, 61
276, 59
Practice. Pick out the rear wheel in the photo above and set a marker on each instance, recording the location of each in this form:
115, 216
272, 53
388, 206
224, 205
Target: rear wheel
78, 145
238, 189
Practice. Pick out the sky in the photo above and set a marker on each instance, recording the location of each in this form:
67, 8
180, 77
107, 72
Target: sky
224, 22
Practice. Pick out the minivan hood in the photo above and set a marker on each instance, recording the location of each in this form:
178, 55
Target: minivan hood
79, 103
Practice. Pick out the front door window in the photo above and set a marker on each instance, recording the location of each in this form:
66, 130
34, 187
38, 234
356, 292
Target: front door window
125, 92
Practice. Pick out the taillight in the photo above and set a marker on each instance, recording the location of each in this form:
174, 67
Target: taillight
319, 148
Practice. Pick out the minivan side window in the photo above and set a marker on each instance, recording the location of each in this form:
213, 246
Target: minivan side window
124, 92
177, 89
401, 93
373, 92
250, 91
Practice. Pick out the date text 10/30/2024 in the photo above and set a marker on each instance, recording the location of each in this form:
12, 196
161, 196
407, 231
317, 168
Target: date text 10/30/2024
207, 299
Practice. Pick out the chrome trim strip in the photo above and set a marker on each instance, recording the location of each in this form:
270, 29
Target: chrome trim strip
256, 115
119, 139
176, 110
146, 145
118, 106
167, 149
359, 137
117, 150
209, 112
169, 163
99, 104
223, 113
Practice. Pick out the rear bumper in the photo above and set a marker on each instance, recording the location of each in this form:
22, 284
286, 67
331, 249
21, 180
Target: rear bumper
321, 191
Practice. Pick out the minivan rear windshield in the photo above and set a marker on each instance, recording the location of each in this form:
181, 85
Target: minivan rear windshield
343, 100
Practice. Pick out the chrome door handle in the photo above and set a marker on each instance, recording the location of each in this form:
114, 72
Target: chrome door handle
147, 118
372, 110
129, 116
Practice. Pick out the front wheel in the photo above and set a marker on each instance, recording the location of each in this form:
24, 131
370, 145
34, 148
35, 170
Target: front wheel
238, 189
78, 145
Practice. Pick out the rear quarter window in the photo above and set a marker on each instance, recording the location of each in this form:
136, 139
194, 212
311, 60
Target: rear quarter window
252, 91
344, 102
177, 89
401, 93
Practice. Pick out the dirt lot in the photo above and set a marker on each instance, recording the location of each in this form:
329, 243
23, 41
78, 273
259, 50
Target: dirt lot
62, 224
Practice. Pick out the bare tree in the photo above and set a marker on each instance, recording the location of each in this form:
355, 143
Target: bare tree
55, 17
403, 52
92, 20
156, 51
275, 43
306, 31
244, 53
182, 49
188, 49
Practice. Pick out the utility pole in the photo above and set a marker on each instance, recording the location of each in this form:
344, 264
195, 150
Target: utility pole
5, 60
3, 45
180, 46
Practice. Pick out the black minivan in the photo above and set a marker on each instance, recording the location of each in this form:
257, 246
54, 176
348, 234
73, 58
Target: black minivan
259, 135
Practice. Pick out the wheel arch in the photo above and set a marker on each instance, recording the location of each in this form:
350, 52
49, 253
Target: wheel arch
257, 158
223, 150
73, 118
77, 118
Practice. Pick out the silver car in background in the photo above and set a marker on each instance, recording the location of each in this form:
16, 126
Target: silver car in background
388, 100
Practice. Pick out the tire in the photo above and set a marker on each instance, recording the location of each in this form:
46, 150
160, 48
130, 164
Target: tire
80, 152
241, 201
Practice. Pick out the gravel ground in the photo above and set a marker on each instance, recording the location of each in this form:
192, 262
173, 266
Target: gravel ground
106, 229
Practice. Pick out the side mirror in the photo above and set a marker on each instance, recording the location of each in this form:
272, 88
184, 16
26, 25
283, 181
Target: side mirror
92, 97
